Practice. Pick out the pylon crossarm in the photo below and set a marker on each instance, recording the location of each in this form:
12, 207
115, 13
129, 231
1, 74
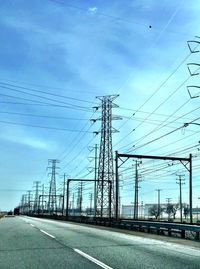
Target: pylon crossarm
193, 42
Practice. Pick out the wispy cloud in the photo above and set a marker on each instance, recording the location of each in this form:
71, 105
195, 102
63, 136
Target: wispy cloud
92, 10
20, 137
102, 47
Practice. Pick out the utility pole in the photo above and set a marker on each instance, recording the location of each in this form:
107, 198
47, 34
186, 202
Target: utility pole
142, 209
52, 203
198, 211
117, 206
42, 198
60, 202
159, 211
105, 167
81, 197
25, 203
73, 203
79, 202
180, 182
90, 197
168, 200
136, 192
64, 192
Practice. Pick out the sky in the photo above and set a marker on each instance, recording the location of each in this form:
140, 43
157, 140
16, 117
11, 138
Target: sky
56, 56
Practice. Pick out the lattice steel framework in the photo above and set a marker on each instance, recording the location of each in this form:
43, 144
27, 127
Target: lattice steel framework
52, 202
36, 199
105, 191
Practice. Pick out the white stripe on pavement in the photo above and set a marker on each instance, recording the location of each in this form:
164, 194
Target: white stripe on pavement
47, 233
32, 225
101, 264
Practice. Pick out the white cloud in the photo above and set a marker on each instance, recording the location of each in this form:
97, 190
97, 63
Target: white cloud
93, 10
35, 143
19, 137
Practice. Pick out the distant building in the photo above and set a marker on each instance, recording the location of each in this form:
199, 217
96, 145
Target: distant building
163, 214
127, 211
196, 213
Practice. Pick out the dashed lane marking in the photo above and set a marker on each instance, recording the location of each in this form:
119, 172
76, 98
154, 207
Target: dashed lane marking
47, 234
101, 264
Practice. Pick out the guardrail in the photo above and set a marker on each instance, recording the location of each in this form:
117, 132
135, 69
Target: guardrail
161, 227
164, 228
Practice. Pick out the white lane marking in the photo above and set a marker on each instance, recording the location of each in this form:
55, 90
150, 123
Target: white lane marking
101, 264
47, 233
32, 225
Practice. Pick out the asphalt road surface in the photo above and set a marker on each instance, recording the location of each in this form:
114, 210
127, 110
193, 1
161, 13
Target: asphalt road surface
31, 243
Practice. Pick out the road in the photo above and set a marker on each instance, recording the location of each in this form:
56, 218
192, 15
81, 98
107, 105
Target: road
31, 243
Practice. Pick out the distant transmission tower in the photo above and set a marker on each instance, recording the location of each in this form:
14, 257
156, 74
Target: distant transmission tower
29, 198
52, 203
36, 198
80, 197
105, 177
23, 203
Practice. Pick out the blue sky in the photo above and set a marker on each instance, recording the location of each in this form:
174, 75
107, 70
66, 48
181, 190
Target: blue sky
77, 50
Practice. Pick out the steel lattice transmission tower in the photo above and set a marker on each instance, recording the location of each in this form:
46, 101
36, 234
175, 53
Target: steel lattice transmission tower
36, 199
105, 178
52, 202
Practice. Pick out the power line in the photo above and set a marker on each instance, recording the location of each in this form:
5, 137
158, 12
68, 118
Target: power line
43, 127
75, 141
46, 86
76, 156
145, 112
49, 104
162, 103
161, 125
158, 89
43, 92
158, 138
43, 97
173, 142
180, 117
42, 116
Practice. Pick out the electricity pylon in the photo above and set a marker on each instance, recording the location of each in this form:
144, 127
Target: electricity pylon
105, 177
52, 202
36, 198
